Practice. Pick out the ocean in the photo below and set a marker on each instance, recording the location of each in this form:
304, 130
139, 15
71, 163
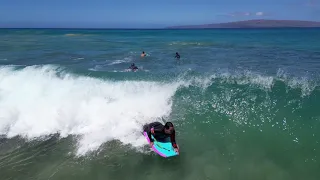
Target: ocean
245, 103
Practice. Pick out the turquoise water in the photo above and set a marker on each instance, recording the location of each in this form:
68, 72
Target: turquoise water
245, 103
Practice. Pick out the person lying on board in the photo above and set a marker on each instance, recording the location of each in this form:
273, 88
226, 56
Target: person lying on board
133, 67
161, 133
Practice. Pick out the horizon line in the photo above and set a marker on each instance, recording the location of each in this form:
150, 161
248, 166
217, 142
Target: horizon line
189, 26
165, 28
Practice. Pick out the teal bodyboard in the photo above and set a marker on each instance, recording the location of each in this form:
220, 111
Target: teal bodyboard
164, 149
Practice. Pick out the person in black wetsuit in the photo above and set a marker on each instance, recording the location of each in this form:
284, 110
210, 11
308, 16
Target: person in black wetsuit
161, 133
133, 67
177, 55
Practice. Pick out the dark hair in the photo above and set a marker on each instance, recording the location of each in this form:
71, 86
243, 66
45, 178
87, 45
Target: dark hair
168, 125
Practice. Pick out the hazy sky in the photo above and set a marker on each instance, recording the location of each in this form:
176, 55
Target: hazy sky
148, 13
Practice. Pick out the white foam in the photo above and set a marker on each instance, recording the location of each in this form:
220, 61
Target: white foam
185, 43
246, 77
119, 61
35, 102
79, 58
96, 68
306, 85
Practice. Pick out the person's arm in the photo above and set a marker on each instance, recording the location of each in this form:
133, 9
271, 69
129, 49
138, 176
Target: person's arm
148, 131
149, 134
153, 126
173, 139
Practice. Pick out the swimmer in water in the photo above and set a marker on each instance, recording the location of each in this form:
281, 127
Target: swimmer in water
143, 54
133, 67
177, 56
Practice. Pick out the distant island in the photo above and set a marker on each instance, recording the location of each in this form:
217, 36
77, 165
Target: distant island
259, 23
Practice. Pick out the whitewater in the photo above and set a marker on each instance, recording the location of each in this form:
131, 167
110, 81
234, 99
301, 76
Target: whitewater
36, 102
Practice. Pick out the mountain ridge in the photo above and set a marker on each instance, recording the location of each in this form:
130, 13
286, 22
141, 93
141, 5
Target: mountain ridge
257, 23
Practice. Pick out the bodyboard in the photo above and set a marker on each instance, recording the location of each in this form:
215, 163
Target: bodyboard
164, 149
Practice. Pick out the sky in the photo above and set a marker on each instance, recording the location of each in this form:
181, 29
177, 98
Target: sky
148, 13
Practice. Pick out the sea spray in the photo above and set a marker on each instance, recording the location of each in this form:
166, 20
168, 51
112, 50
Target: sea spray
35, 102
